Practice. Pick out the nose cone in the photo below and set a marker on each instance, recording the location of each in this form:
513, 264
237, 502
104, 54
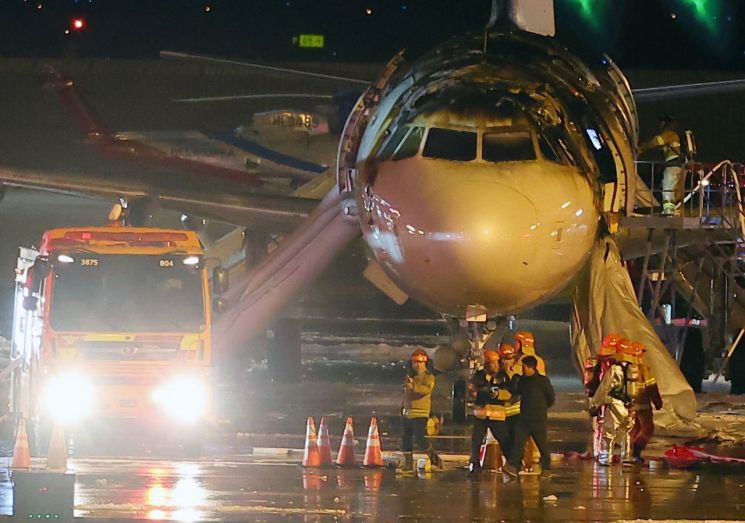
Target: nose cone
498, 242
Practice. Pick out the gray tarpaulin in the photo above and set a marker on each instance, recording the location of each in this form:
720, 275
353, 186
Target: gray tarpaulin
605, 302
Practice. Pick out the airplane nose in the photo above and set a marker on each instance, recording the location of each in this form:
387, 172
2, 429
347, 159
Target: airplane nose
483, 243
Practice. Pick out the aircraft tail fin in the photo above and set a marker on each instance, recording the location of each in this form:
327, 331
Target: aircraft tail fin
87, 120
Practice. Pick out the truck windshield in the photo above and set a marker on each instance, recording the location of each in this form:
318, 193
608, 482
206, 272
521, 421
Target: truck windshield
126, 293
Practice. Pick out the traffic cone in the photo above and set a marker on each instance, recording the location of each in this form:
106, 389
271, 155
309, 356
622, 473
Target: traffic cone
311, 457
21, 453
57, 454
324, 444
492, 458
345, 458
373, 454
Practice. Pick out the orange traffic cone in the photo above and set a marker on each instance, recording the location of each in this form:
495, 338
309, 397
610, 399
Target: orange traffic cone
345, 458
373, 455
492, 458
57, 454
311, 457
324, 444
21, 454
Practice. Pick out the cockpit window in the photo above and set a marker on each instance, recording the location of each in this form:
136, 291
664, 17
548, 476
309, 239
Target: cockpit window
447, 144
392, 142
547, 150
513, 146
410, 145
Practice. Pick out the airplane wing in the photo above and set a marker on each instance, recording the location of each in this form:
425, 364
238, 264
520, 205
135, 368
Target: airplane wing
256, 211
667, 92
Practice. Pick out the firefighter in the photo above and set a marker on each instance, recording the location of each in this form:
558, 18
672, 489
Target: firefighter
525, 346
669, 144
417, 400
643, 390
508, 359
492, 390
594, 366
618, 420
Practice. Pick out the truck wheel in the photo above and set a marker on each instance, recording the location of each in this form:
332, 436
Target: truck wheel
459, 401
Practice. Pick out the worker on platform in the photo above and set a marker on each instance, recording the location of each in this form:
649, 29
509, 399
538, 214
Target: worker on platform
536, 397
668, 142
493, 392
416, 405
618, 420
643, 390
594, 368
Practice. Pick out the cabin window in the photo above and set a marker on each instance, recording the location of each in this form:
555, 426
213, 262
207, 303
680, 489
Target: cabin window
410, 145
514, 146
447, 144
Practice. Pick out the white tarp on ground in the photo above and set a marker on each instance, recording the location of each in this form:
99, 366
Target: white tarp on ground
605, 302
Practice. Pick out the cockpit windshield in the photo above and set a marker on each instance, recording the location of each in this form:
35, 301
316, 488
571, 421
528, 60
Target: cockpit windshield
449, 144
510, 146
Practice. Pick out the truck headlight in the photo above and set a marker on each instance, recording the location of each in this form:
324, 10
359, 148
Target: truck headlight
184, 398
68, 397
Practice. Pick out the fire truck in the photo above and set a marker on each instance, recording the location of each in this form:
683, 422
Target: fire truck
111, 331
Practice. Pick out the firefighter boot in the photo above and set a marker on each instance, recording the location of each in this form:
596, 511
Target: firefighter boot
637, 454
407, 468
435, 459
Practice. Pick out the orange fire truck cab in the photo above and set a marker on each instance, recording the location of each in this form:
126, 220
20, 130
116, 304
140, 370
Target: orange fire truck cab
112, 324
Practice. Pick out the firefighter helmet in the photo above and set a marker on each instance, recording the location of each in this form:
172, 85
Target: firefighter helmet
524, 339
610, 344
624, 346
419, 356
490, 355
506, 351
637, 349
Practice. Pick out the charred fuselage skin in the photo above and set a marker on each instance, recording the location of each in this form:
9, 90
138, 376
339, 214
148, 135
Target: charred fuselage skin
482, 175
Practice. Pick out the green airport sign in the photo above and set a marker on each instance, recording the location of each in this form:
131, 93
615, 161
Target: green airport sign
316, 41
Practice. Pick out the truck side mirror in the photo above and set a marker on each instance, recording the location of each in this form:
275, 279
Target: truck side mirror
30, 302
39, 271
220, 280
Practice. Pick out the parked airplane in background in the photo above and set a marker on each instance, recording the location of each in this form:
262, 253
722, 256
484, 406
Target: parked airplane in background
481, 178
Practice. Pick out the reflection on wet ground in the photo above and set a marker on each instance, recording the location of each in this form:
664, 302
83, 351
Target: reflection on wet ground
257, 489
246, 472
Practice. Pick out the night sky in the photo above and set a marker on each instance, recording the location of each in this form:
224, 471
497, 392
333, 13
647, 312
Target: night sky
664, 34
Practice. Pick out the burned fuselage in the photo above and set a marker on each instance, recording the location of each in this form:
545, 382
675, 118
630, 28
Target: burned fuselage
486, 168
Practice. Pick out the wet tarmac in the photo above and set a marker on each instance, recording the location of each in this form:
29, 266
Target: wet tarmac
250, 468
271, 488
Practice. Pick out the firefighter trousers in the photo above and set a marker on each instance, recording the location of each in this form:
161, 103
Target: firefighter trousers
642, 431
618, 421
502, 431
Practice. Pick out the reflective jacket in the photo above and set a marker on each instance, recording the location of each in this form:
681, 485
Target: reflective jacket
505, 402
418, 401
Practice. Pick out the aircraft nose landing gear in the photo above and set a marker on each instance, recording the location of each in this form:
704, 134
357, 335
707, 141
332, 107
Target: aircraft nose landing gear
478, 330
